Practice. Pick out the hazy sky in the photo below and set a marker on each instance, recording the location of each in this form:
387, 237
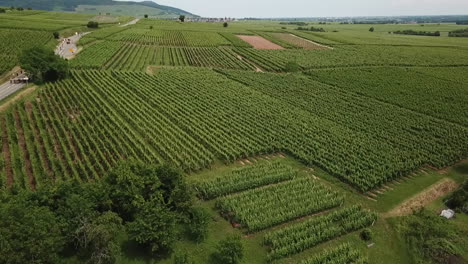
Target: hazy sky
318, 8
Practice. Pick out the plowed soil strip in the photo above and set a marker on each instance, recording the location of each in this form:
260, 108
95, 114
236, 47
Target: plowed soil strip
424, 198
24, 149
7, 155
260, 43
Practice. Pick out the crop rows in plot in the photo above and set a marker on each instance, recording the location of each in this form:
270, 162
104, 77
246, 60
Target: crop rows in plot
243, 179
262, 208
117, 56
191, 117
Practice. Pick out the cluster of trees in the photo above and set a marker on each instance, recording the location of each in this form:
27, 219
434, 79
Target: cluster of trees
311, 29
3, 10
417, 33
93, 24
294, 23
432, 238
43, 65
462, 22
458, 200
135, 203
459, 33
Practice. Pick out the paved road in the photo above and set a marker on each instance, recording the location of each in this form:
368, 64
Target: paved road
68, 51
7, 89
131, 22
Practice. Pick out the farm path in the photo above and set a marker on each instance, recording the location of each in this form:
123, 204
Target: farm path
8, 88
423, 198
133, 22
67, 47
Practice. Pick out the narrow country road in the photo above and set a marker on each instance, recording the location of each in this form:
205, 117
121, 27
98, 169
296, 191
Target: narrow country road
130, 23
8, 88
67, 48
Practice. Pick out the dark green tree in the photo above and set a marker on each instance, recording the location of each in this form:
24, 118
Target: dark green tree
98, 239
56, 35
2, 10
146, 16
29, 233
225, 24
43, 64
229, 251
371, 29
198, 224
366, 234
182, 18
154, 227
92, 24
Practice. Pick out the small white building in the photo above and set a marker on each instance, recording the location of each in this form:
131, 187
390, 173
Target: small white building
447, 213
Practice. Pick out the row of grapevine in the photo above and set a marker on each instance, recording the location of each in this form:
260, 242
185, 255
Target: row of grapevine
341, 254
298, 237
96, 55
137, 57
434, 96
191, 117
243, 179
436, 142
171, 38
261, 208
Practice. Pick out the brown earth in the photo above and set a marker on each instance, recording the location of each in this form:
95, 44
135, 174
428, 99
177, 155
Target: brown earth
260, 43
424, 198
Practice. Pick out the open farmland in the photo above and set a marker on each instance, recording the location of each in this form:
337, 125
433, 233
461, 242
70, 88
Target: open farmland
296, 141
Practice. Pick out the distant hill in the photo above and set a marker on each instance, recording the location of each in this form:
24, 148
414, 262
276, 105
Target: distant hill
125, 8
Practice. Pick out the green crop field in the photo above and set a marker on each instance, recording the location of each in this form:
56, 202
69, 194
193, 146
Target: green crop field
298, 151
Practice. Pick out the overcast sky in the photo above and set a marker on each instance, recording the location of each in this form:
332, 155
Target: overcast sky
318, 8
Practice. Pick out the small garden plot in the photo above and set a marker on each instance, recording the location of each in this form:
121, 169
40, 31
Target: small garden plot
298, 237
272, 205
342, 254
260, 43
299, 42
244, 178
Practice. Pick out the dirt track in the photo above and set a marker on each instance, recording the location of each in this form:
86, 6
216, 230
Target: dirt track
424, 198
260, 43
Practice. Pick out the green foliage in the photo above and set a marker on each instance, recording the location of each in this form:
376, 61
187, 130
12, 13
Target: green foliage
458, 200
98, 238
146, 15
292, 66
342, 254
371, 29
366, 234
2, 10
43, 65
225, 24
198, 224
154, 227
229, 251
93, 24
182, 18
56, 35
182, 258
431, 237
29, 233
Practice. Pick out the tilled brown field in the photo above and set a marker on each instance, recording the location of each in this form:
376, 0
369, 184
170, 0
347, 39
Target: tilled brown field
260, 43
300, 42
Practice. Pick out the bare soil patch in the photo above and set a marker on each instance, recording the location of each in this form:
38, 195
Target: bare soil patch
300, 42
260, 43
424, 198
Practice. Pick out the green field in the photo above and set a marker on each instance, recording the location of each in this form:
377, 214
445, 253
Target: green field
295, 161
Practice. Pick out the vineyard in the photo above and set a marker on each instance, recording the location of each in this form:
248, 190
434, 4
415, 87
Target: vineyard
186, 125
285, 158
